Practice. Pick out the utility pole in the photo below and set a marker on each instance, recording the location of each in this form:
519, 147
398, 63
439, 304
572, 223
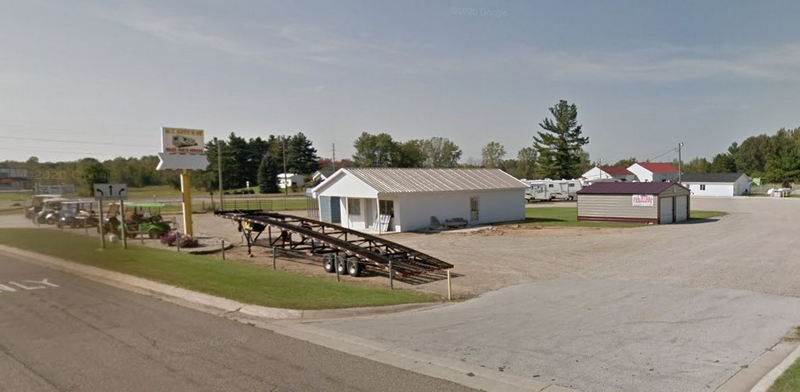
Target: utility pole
285, 183
219, 173
333, 160
680, 162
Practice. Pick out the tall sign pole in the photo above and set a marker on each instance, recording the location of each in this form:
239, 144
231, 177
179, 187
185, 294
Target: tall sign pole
680, 163
183, 149
285, 183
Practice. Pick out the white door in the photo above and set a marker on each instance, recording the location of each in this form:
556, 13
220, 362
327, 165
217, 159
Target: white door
665, 213
681, 208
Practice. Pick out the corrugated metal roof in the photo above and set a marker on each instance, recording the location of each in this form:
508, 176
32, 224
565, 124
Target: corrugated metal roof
710, 177
626, 188
391, 180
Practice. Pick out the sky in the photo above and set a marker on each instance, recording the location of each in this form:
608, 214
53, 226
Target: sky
100, 78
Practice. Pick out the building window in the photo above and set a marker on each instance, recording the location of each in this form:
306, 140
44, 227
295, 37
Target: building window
387, 207
702, 187
353, 206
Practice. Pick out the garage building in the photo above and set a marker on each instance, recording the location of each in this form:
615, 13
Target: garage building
389, 199
639, 202
717, 184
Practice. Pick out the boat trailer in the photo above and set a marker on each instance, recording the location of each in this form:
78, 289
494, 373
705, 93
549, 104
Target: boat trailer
343, 250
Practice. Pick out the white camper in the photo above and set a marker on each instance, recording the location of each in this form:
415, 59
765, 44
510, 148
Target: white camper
547, 189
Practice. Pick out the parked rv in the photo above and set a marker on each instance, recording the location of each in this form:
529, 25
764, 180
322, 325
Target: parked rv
547, 189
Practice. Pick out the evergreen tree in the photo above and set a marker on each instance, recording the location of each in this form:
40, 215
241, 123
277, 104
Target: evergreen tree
560, 144
301, 156
268, 173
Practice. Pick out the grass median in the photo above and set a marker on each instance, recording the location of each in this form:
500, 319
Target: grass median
241, 282
568, 216
789, 381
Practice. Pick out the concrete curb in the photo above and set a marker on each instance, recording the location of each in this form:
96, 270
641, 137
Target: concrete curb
197, 300
769, 379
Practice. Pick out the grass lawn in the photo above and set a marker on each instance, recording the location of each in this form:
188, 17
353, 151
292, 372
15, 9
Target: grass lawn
568, 216
241, 282
15, 196
789, 381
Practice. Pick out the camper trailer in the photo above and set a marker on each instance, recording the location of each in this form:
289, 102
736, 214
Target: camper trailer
547, 189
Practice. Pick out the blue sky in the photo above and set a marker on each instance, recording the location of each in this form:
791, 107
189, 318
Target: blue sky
99, 78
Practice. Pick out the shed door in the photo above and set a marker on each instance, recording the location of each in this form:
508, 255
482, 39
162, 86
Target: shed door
325, 208
666, 208
473, 209
681, 208
336, 210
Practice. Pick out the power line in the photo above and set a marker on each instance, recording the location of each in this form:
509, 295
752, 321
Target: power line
75, 141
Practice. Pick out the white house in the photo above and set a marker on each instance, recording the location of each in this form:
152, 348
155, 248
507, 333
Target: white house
654, 171
716, 184
406, 199
616, 173
289, 180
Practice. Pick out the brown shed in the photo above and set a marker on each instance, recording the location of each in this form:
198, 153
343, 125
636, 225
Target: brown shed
642, 202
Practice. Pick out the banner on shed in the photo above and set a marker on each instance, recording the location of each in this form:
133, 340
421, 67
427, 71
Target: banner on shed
643, 200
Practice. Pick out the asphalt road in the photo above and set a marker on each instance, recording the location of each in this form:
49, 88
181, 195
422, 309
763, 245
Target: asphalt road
59, 332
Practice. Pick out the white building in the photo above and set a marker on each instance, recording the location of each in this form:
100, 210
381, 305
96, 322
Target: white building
289, 180
614, 173
654, 171
716, 184
407, 199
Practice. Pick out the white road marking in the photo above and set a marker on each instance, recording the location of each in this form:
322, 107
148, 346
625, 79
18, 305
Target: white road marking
26, 285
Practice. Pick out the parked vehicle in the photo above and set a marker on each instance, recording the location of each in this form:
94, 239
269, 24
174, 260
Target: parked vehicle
547, 189
50, 212
37, 202
140, 219
77, 214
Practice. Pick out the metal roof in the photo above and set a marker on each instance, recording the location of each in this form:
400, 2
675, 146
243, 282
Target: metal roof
659, 167
616, 170
391, 180
711, 177
626, 188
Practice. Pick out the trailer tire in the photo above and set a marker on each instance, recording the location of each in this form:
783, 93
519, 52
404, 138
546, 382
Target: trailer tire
341, 265
353, 267
329, 263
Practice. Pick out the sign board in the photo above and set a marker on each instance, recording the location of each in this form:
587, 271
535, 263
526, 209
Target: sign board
182, 141
643, 200
110, 191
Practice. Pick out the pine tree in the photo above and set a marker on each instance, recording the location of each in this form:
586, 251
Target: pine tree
268, 173
560, 144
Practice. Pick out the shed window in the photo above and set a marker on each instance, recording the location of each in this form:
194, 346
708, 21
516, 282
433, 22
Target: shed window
702, 187
353, 206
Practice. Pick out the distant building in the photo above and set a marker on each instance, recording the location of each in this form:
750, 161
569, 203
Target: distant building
716, 184
288, 180
12, 178
654, 171
614, 173
413, 199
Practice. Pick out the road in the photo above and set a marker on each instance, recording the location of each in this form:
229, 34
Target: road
665, 308
59, 332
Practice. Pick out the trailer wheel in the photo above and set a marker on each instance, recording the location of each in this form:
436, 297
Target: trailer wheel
354, 267
341, 265
329, 263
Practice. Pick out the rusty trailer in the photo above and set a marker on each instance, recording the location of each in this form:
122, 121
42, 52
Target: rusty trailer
342, 250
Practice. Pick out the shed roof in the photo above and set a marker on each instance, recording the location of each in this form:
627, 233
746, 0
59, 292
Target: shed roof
659, 167
626, 188
395, 180
711, 177
616, 170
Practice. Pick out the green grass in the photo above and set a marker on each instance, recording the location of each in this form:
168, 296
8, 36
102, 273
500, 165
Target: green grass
154, 191
564, 216
241, 282
15, 196
568, 216
789, 381
700, 214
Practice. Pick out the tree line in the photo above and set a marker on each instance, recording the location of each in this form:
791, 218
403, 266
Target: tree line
775, 158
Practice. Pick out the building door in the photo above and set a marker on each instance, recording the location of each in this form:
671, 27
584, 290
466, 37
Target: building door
336, 210
666, 207
473, 209
681, 208
386, 214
